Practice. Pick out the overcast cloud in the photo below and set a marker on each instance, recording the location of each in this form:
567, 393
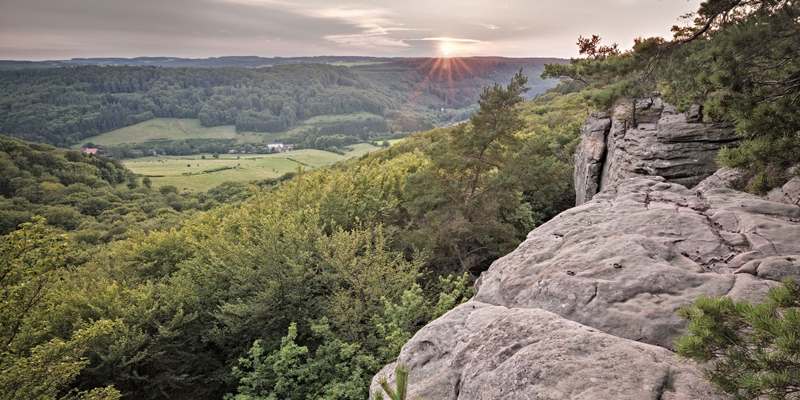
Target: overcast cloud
63, 29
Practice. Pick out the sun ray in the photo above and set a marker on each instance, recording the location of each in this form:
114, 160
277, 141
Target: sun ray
444, 78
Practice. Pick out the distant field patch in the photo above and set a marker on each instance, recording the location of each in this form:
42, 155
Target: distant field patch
358, 64
163, 129
187, 172
332, 119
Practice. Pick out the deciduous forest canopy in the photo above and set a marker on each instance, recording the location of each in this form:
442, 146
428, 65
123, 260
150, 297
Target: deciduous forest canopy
314, 280
64, 106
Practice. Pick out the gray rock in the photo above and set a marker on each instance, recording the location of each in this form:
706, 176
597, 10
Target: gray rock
639, 251
480, 351
722, 178
695, 113
678, 147
592, 149
586, 306
788, 194
774, 268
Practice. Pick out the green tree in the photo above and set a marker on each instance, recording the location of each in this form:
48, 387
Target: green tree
458, 200
755, 349
610, 74
336, 370
31, 366
739, 60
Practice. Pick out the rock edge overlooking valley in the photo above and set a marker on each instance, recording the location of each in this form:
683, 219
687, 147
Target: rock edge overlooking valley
586, 306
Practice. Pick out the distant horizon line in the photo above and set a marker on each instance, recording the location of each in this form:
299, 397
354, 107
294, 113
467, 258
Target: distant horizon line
265, 57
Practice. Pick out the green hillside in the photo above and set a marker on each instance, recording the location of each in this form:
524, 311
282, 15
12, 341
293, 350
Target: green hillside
66, 106
160, 130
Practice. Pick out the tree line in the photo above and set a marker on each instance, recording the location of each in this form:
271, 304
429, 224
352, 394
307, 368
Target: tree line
66, 105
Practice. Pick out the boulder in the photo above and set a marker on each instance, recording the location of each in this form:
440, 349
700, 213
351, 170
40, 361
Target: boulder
592, 149
788, 193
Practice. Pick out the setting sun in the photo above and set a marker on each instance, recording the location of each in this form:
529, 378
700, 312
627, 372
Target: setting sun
448, 47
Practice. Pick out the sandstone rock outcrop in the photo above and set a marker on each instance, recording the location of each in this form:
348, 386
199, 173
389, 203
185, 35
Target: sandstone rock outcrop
481, 351
585, 307
678, 147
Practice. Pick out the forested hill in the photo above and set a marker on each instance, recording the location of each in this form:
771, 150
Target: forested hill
230, 61
95, 199
307, 285
63, 106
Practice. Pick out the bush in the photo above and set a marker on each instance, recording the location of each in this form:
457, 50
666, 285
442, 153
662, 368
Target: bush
755, 348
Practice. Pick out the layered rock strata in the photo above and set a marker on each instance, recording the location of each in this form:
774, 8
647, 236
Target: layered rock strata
679, 147
586, 306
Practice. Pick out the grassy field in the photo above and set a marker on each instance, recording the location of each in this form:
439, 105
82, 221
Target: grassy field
330, 119
321, 120
357, 64
163, 128
169, 170
160, 129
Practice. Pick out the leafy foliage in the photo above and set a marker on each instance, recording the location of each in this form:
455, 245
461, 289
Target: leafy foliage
33, 367
316, 279
336, 370
755, 348
467, 203
739, 60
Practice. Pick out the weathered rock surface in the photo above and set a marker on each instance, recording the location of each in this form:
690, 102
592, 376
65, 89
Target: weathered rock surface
789, 193
678, 147
722, 178
480, 351
589, 292
592, 149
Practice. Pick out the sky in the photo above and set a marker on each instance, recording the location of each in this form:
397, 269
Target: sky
62, 29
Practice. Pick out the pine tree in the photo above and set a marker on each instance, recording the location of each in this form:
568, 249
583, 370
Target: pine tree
755, 348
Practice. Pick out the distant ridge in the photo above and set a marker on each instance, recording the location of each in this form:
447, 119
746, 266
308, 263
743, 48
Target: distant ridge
230, 61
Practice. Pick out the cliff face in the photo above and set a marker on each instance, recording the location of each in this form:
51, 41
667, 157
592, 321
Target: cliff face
586, 306
678, 147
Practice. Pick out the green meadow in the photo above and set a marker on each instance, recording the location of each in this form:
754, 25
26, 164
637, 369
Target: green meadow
163, 129
173, 129
193, 173
322, 120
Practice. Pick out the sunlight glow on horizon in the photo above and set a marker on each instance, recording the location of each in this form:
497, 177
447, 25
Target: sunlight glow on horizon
447, 47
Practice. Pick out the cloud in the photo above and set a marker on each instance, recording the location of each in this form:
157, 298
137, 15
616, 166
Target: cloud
366, 41
371, 25
203, 28
446, 39
487, 26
